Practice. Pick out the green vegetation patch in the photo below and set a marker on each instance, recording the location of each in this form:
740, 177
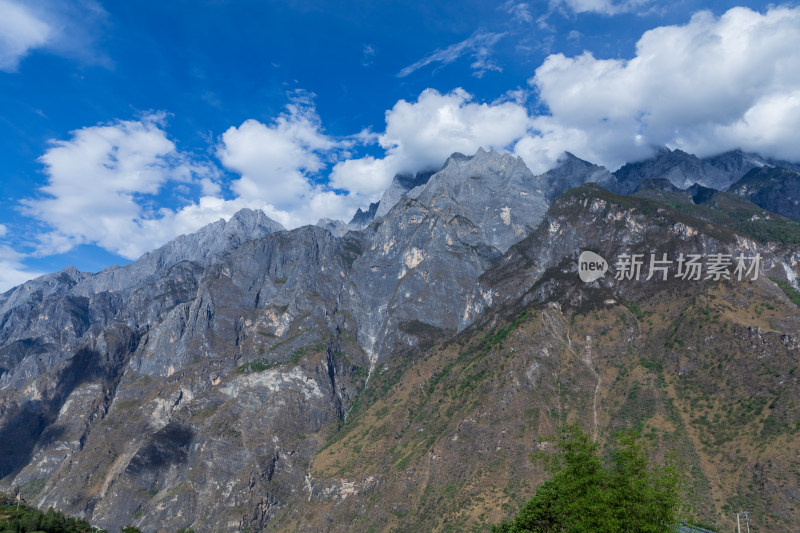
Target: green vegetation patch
260, 365
585, 495
30, 489
791, 292
21, 518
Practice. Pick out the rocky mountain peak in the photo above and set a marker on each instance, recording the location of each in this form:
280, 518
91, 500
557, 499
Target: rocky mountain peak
401, 184
204, 247
248, 221
461, 174
737, 162
571, 171
496, 192
684, 170
362, 218
483, 163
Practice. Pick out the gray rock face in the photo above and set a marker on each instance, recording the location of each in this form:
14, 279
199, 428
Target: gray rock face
70, 303
775, 189
419, 262
590, 218
495, 192
359, 221
401, 184
572, 172
684, 170
363, 218
203, 247
737, 163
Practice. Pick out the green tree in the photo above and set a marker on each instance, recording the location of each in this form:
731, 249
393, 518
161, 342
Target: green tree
645, 498
583, 495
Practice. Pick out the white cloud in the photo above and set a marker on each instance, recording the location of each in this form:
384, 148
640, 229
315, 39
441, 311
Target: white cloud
604, 7
478, 45
12, 271
421, 135
65, 28
712, 85
20, 31
98, 185
278, 164
519, 11
424, 133
369, 176
3, 230
104, 180
274, 160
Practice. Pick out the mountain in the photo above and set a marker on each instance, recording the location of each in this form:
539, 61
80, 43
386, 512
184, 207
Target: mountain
395, 372
724, 209
707, 370
684, 170
570, 172
132, 380
401, 184
363, 218
773, 188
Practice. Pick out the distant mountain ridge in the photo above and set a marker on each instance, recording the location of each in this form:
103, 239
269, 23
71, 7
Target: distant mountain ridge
684, 170
681, 169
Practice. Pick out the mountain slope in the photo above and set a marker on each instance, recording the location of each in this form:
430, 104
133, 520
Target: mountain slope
775, 189
708, 369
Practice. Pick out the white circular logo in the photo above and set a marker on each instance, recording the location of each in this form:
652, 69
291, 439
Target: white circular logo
591, 266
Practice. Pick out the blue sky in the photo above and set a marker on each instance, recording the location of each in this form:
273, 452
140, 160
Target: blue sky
124, 124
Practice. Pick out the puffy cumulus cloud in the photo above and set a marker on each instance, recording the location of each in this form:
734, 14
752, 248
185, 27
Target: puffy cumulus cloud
21, 30
104, 182
424, 133
275, 160
12, 270
712, 85
548, 141
421, 135
279, 165
368, 176
98, 185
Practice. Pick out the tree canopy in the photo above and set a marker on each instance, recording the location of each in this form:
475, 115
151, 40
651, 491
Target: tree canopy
585, 495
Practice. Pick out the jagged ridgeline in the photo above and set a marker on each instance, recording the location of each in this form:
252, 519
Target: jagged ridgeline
395, 372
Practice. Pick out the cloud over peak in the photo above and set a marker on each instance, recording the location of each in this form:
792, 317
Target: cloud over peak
422, 134
711, 85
